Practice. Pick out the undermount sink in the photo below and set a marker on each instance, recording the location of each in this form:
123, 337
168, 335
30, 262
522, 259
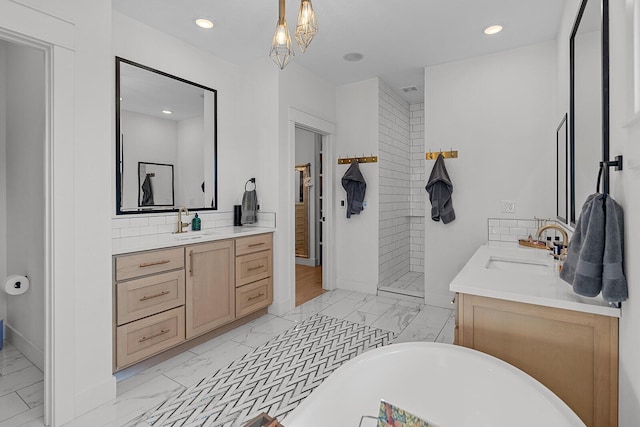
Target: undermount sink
519, 265
188, 236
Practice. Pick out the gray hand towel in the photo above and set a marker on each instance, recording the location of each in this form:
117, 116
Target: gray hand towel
147, 192
354, 184
595, 255
249, 207
439, 187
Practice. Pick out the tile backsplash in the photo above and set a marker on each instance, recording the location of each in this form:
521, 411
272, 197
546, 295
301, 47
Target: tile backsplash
511, 230
148, 224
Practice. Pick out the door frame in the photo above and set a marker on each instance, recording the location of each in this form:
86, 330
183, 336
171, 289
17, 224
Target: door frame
304, 120
55, 38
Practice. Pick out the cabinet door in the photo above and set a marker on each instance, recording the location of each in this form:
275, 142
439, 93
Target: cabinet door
210, 299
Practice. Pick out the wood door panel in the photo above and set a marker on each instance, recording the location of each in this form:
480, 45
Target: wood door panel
210, 300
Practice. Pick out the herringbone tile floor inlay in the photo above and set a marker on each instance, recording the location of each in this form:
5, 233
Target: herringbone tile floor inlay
274, 378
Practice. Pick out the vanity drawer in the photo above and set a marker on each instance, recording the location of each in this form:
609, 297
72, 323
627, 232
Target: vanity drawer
142, 264
143, 338
143, 297
254, 296
252, 267
251, 244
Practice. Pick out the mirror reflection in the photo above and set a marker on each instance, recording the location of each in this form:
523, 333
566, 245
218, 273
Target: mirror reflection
562, 147
586, 103
166, 148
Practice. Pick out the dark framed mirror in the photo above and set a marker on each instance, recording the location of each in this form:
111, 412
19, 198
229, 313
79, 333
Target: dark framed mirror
166, 141
589, 101
562, 183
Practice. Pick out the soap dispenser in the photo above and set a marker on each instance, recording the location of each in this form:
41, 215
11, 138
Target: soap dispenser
195, 223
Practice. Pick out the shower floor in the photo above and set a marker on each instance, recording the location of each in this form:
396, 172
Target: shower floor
411, 284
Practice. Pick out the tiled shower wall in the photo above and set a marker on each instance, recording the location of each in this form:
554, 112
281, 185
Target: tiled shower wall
394, 168
417, 195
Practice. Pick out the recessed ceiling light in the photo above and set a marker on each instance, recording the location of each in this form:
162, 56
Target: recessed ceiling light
494, 29
204, 23
353, 57
167, 111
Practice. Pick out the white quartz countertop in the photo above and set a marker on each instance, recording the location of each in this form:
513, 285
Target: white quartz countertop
523, 275
125, 245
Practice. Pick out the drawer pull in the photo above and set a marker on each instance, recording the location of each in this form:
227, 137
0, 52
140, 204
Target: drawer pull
162, 332
148, 297
253, 245
150, 264
261, 294
257, 267
191, 263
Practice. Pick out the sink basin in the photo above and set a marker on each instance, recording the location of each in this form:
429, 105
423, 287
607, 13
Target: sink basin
519, 265
187, 236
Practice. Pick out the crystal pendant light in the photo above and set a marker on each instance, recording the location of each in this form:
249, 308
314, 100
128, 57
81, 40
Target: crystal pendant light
307, 25
281, 51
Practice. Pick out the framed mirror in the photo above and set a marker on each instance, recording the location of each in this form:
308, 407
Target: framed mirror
589, 101
562, 151
166, 148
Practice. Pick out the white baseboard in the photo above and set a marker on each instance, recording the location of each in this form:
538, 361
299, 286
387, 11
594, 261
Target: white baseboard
309, 262
440, 299
95, 396
351, 285
279, 308
24, 346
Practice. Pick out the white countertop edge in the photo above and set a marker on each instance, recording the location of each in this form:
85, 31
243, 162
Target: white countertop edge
474, 279
546, 302
125, 245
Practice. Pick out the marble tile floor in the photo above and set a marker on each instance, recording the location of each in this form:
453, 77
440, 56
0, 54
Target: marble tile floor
412, 321
21, 388
411, 284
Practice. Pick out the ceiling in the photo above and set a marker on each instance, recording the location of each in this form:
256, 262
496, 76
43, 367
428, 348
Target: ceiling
398, 38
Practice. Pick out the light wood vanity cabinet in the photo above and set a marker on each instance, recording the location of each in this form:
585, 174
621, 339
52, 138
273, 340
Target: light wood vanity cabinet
574, 354
210, 286
149, 309
254, 282
163, 298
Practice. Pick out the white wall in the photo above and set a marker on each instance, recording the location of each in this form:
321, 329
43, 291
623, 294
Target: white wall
625, 186
357, 237
497, 111
394, 165
306, 153
3, 177
25, 138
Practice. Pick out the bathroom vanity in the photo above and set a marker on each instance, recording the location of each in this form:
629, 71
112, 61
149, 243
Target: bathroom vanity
169, 289
511, 304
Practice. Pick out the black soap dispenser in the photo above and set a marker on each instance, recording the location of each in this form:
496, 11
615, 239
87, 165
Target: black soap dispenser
195, 223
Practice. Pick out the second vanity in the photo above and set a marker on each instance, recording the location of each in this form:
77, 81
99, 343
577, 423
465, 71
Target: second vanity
511, 304
169, 289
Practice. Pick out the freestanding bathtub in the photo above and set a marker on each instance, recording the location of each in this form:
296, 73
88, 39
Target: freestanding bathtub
447, 385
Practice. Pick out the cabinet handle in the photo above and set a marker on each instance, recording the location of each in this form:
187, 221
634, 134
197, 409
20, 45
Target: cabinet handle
256, 267
163, 293
253, 245
151, 264
191, 263
453, 301
261, 294
162, 332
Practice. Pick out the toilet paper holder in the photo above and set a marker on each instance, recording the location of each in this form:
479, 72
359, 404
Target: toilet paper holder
16, 284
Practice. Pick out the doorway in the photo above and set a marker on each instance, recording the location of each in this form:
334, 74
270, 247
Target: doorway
23, 124
308, 214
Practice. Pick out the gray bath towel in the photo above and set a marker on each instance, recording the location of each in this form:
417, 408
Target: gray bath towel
147, 192
439, 187
595, 256
354, 184
249, 206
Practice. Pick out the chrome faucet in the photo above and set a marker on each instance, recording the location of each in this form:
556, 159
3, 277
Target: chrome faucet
565, 238
181, 224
